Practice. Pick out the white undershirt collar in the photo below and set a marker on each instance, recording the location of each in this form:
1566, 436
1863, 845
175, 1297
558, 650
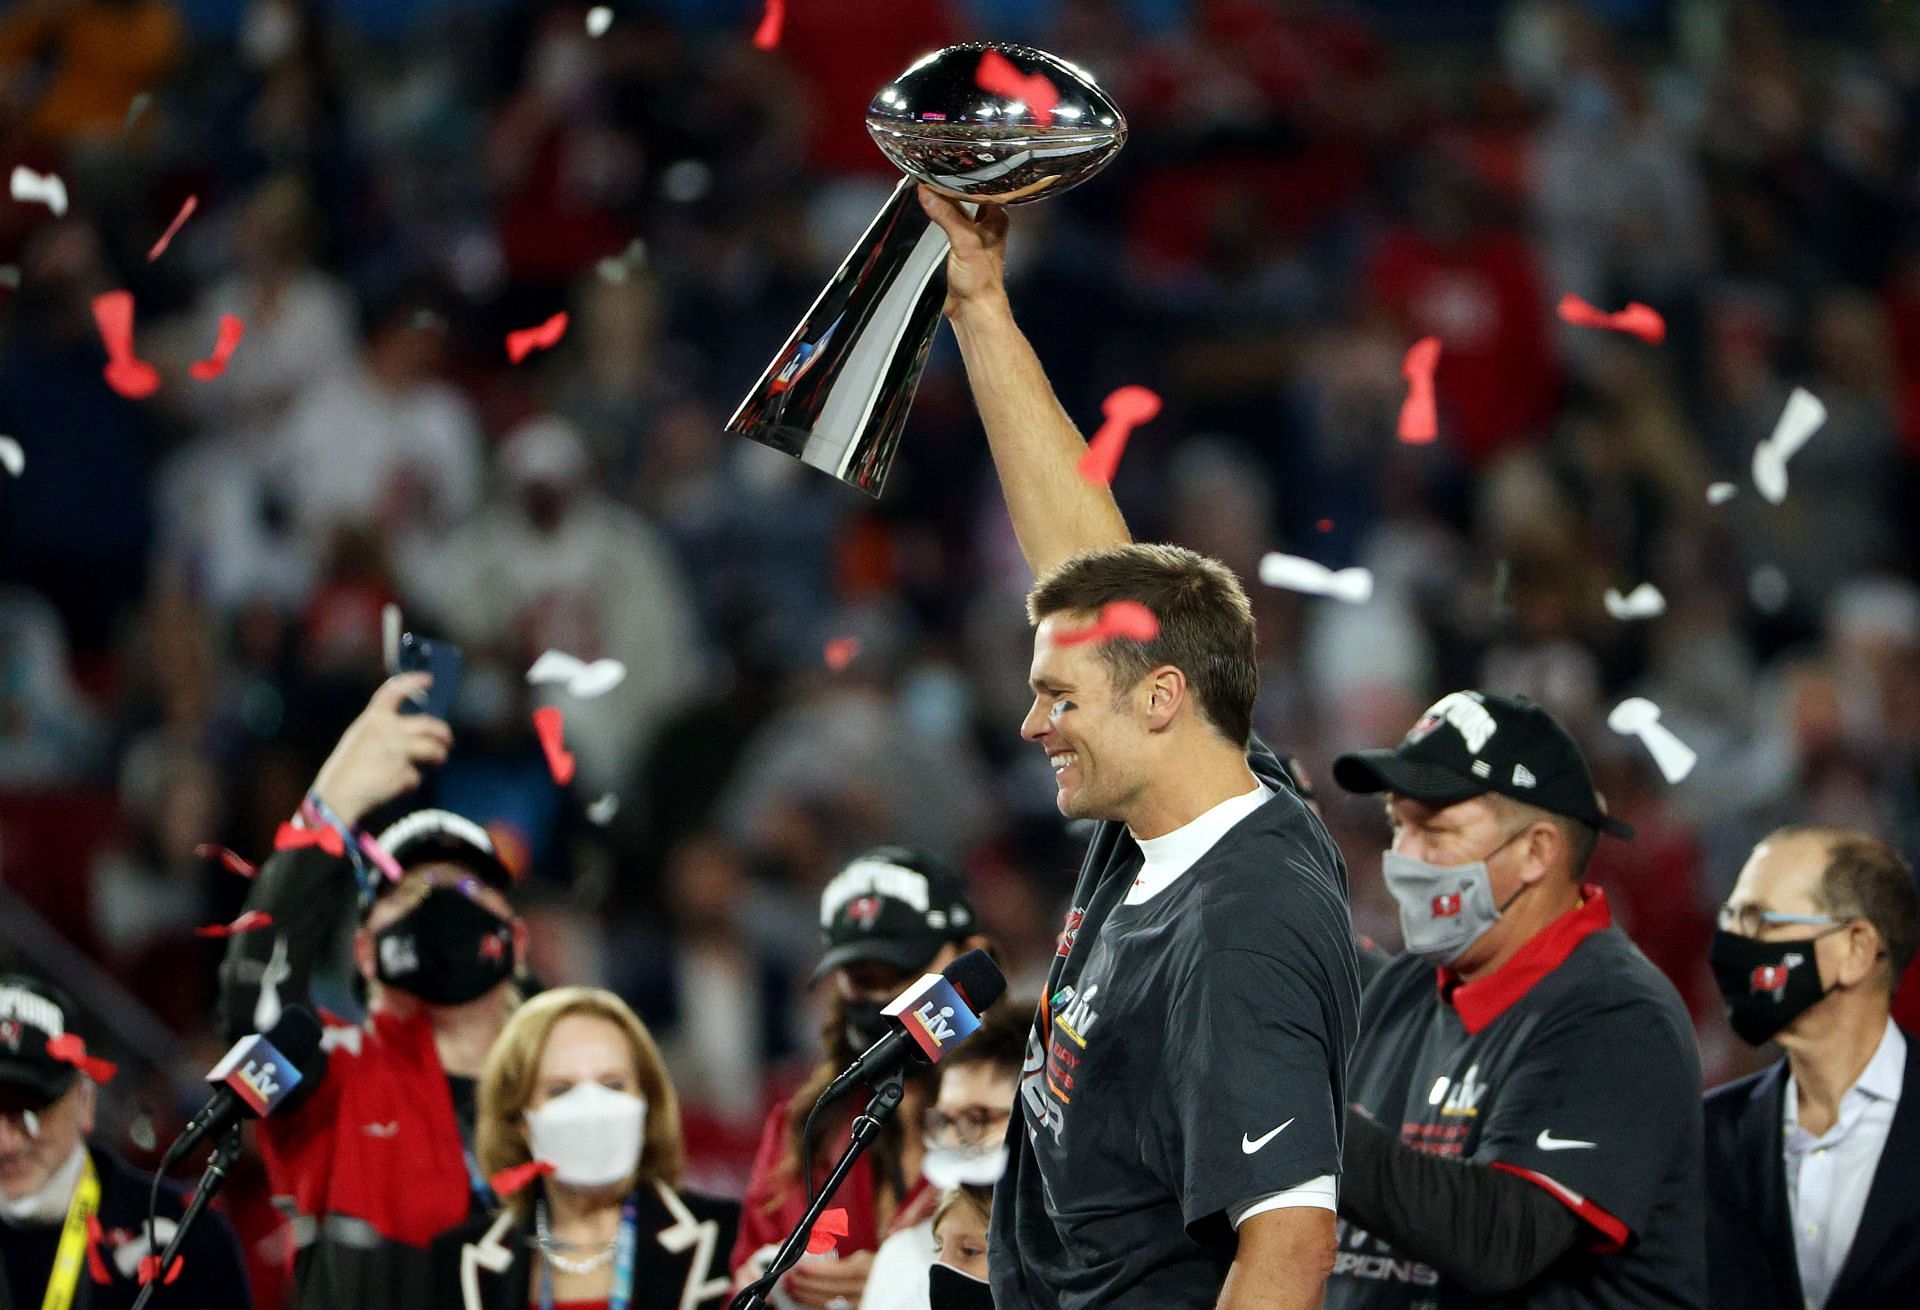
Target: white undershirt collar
1170, 856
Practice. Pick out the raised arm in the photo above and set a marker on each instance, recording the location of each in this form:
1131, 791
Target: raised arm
1036, 448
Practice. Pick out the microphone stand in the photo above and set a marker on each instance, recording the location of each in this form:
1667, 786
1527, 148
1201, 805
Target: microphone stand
222, 1160
866, 1128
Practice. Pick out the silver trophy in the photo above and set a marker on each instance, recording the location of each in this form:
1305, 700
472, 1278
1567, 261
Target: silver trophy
837, 394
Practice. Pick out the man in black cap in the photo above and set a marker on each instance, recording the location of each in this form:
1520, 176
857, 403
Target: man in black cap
1523, 1127
73, 1217
379, 1161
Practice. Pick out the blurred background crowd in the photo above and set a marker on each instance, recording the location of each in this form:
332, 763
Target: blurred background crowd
191, 586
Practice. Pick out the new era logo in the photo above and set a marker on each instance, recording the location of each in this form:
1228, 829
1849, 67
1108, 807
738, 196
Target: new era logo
1523, 776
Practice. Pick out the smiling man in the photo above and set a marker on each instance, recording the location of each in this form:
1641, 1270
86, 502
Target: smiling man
1182, 1097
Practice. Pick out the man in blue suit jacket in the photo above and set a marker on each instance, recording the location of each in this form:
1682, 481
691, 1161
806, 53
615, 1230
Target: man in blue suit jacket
1813, 1200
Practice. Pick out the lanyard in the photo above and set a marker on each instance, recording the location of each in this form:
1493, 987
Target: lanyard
623, 1253
72, 1251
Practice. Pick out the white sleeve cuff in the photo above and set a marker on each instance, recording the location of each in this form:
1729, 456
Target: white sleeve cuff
1322, 1193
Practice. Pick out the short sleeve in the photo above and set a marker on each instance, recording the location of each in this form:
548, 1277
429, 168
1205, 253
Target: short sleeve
1254, 1066
1595, 1111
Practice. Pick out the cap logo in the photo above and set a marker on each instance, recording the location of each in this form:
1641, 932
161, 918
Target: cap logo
1773, 977
865, 912
1463, 711
873, 878
32, 1009
1523, 776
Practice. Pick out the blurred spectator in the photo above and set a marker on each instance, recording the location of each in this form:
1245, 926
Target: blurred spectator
48, 732
71, 68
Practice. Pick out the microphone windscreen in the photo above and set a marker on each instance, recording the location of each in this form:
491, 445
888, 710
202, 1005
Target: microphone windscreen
978, 979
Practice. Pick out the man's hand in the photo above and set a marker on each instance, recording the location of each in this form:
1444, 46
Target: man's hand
381, 753
977, 266
816, 1284
1283, 1262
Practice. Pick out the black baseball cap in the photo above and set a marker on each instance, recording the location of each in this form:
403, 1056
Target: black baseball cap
32, 1013
1474, 742
443, 837
894, 905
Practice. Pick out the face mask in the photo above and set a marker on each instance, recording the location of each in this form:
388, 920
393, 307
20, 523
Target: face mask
949, 1289
447, 950
1766, 985
1444, 909
865, 1024
591, 1135
948, 1167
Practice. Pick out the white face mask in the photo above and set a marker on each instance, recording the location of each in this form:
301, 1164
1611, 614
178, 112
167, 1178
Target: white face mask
591, 1135
948, 1167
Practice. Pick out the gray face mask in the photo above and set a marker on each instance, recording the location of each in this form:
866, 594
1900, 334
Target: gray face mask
1444, 908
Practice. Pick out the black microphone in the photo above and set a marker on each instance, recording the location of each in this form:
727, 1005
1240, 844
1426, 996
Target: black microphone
934, 1015
254, 1078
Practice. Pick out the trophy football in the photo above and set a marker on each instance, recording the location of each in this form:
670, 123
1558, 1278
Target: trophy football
837, 394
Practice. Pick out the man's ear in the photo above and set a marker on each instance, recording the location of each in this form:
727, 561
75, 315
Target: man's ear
1861, 952
1165, 692
520, 940
85, 1106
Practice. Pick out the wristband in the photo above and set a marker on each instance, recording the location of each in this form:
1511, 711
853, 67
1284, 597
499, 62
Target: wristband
366, 854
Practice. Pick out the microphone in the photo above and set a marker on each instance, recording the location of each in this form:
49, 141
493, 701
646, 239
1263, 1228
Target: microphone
254, 1078
934, 1015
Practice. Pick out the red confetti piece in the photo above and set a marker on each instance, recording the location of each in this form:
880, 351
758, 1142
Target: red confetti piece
292, 837
767, 35
68, 1048
229, 860
96, 1238
827, 1231
232, 328
524, 342
552, 731
1125, 410
998, 75
1419, 419
127, 374
510, 1180
173, 228
1324, 525
1636, 319
1123, 620
150, 1269
251, 921
842, 651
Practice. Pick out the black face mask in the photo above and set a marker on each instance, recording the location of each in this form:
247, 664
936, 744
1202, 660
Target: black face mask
949, 1289
447, 950
1766, 985
865, 1024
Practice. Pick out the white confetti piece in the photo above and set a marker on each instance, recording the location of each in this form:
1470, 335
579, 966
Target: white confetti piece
49, 190
14, 458
1800, 419
1643, 602
1768, 588
1719, 493
599, 19
617, 268
1639, 717
580, 678
602, 811
1292, 573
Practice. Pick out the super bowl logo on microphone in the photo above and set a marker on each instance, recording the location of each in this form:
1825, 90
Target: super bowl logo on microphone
936, 1016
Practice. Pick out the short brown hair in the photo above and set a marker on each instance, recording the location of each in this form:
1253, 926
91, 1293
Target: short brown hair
1206, 623
977, 1199
507, 1083
1866, 878
1000, 1041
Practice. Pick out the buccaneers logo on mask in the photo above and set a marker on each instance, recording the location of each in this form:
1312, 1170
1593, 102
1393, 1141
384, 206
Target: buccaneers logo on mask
1773, 977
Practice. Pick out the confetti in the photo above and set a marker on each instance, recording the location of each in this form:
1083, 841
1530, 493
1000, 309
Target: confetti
173, 228
1323, 525
842, 651
580, 678
601, 812
132, 377
232, 328
1643, 602
997, 74
229, 860
136, 107
1123, 620
617, 268
767, 35
599, 19
1719, 493
292, 837
251, 921
1639, 717
1292, 573
525, 341
1767, 587
1419, 416
1798, 422
510, 1180
827, 1231
47, 189
150, 1269
68, 1048
1124, 410
1636, 319
12, 457
551, 730
96, 1238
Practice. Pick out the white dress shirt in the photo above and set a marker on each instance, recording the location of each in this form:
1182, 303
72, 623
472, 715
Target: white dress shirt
1828, 1176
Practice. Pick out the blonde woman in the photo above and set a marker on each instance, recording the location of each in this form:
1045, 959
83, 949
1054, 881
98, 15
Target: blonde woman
580, 1128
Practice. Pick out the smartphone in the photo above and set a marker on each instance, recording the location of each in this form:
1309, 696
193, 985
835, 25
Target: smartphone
442, 659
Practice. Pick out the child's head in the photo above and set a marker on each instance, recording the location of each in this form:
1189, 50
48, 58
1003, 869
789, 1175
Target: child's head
960, 1230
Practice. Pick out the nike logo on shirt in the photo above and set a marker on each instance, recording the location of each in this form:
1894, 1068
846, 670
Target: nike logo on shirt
1546, 1141
1248, 1145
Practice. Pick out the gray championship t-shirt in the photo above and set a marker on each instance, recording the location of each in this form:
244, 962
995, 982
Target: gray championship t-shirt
1189, 1057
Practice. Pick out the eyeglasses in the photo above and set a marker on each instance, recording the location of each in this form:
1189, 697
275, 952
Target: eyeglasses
967, 1128
1751, 920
